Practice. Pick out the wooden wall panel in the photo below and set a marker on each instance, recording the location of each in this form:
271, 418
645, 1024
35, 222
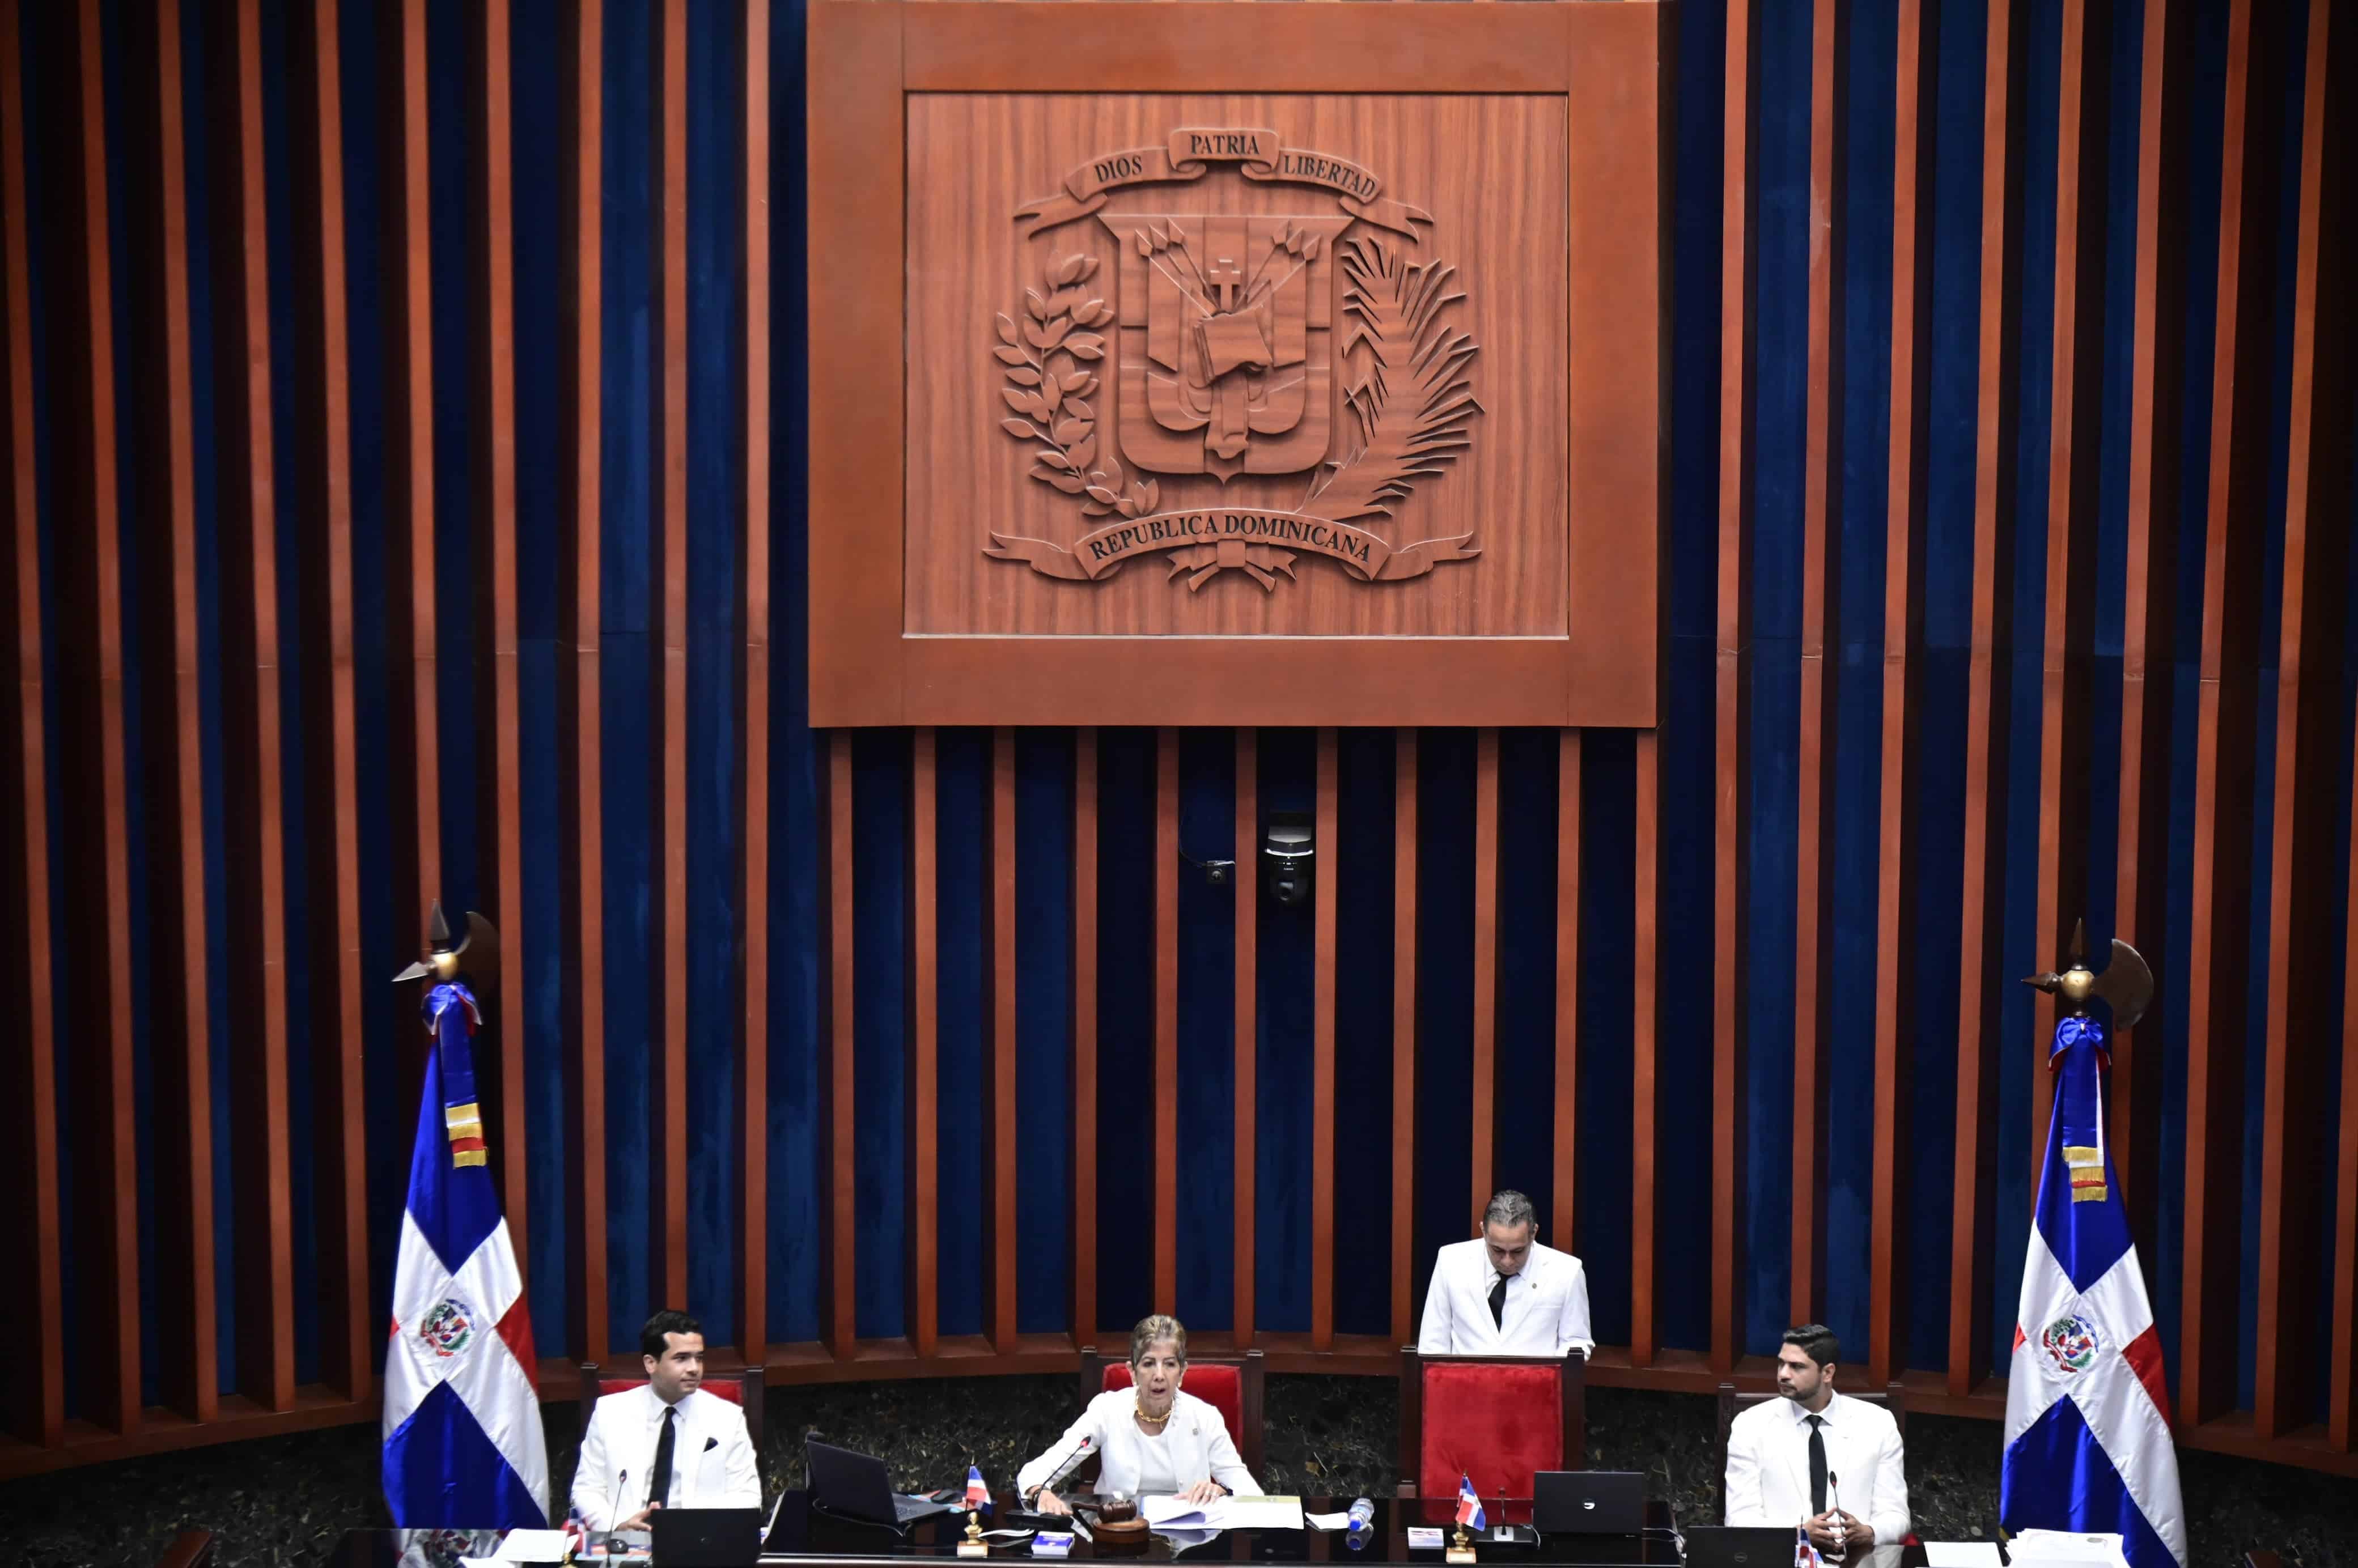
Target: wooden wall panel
1003, 1122
1084, 1035
924, 1034
1651, 1101
1404, 975
753, 711
409, 441
839, 1314
1327, 839
1565, 1202
671, 1101
1166, 1020
1485, 1067
1247, 1038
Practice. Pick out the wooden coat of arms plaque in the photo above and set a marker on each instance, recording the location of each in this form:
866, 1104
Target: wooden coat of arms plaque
1256, 363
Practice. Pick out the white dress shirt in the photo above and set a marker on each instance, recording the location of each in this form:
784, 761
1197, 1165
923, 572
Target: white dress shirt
711, 1457
1193, 1445
1768, 1465
1546, 1310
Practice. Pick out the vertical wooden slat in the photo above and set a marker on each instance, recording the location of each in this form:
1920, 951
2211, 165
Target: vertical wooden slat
107, 1206
1404, 1036
1567, 988
840, 1325
2071, 476
410, 457
1003, 957
1978, 1012
1732, 699
585, 624
252, 790
353, 1325
671, 106
496, 365
1084, 1035
1915, 67
754, 720
1326, 834
1166, 1018
2218, 928
2307, 815
36, 1085
2341, 1395
2149, 573
1813, 924
1247, 1043
1645, 1051
924, 1021
1484, 1068
190, 1358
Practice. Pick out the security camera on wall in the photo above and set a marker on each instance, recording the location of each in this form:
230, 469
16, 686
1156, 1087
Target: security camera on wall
1285, 853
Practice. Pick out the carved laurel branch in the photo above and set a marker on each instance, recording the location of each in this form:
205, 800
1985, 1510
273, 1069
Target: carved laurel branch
1051, 364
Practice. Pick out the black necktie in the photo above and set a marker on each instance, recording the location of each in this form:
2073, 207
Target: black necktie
1498, 1303
660, 1490
1817, 1465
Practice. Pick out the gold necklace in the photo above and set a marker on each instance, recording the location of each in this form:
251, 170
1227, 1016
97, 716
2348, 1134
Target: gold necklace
1138, 1408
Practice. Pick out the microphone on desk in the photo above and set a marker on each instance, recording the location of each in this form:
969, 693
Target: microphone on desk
1833, 1507
1063, 1469
615, 1506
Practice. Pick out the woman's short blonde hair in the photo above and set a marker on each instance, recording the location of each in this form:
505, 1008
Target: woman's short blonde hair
1161, 1325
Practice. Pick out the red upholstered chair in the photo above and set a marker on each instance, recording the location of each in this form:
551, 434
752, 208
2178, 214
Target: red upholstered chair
742, 1386
1497, 1420
1893, 1398
1232, 1387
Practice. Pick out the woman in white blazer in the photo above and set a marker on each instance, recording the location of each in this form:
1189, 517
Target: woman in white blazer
1148, 1438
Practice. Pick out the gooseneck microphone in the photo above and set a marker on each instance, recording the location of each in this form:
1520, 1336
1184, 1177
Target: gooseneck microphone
1063, 1469
1842, 1520
615, 1506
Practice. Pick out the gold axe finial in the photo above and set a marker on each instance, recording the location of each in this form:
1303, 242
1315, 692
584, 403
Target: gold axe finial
479, 947
2127, 985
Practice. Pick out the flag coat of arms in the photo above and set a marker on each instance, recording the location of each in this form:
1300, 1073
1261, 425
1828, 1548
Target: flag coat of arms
462, 1437
1469, 1507
2088, 1446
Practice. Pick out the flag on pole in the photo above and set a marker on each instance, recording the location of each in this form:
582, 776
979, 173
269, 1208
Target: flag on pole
977, 1495
463, 1439
1469, 1507
2088, 1447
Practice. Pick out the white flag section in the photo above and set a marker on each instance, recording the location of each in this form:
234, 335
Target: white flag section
2088, 1447
463, 1448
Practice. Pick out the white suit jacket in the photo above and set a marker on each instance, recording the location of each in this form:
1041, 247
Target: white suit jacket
1546, 1310
1769, 1467
1197, 1439
712, 1458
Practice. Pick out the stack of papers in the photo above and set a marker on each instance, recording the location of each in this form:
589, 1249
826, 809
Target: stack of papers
2059, 1546
1168, 1513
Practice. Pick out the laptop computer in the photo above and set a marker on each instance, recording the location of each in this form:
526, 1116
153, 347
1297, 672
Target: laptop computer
706, 1538
1739, 1546
853, 1486
1588, 1502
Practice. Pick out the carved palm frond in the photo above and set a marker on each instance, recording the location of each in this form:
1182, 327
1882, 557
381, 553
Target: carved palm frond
1413, 404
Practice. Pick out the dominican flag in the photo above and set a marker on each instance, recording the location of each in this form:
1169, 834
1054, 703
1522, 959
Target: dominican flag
2087, 1413
462, 1440
977, 1495
1469, 1507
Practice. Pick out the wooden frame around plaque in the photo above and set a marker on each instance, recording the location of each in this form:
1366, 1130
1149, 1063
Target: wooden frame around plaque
1206, 363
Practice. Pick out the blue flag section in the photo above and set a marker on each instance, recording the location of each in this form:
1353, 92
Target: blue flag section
463, 1447
2088, 1446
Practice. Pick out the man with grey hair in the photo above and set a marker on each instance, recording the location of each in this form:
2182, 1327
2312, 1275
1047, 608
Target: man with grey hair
1503, 1294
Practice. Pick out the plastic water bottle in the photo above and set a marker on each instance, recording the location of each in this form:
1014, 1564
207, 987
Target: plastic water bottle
1361, 1528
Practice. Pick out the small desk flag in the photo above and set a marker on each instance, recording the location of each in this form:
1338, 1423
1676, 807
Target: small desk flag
1469, 1507
978, 1495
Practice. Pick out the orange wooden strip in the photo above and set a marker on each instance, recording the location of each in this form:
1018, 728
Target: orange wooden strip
109, 1207
1821, 584
498, 370
410, 460
1733, 689
1327, 833
1484, 1067
673, 133
753, 1051
924, 1038
1005, 1256
191, 1372
266, 1285
585, 469
2219, 933
1246, 887
2342, 1400
1645, 1046
1567, 988
1084, 1035
2142, 857
1166, 1019
839, 1327
1403, 1035
1977, 1012
2307, 815
353, 1325
37, 1090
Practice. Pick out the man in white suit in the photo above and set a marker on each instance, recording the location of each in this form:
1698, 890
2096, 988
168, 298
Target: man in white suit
665, 1444
1814, 1456
1503, 1294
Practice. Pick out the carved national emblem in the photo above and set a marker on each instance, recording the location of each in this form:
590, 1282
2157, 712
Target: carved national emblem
448, 1329
1217, 341
2070, 1342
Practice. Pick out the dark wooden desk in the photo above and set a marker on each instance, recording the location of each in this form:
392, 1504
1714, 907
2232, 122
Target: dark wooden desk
816, 1540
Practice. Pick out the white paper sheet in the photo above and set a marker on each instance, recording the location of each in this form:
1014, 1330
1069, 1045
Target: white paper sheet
1168, 1513
1329, 1521
1960, 1554
531, 1546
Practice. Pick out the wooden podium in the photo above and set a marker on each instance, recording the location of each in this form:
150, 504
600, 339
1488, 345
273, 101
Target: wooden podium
1237, 364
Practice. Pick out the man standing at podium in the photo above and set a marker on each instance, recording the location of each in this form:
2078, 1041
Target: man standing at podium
1503, 1294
